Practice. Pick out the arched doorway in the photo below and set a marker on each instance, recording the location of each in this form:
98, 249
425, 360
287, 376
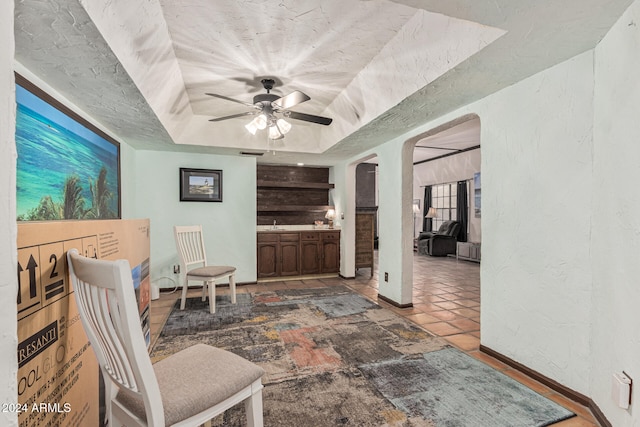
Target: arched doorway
446, 288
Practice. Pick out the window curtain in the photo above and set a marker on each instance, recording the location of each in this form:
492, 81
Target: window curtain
463, 210
426, 222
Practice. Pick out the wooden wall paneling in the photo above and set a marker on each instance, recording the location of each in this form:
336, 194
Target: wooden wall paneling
292, 195
287, 218
291, 174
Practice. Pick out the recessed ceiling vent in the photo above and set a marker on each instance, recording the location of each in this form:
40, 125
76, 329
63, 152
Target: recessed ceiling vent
251, 153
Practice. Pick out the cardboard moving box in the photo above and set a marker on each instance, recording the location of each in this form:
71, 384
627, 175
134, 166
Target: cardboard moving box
59, 380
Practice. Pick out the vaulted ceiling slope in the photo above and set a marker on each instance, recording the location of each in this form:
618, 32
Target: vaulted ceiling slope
378, 68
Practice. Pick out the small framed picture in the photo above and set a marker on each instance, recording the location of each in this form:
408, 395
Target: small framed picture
200, 185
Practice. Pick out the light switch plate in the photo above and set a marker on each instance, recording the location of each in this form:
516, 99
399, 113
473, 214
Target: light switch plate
621, 389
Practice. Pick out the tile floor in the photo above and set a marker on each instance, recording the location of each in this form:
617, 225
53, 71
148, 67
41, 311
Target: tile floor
446, 302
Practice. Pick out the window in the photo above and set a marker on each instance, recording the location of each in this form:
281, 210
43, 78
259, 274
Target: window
444, 199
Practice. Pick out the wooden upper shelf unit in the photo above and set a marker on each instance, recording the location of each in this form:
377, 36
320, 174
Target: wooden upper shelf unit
289, 184
293, 208
292, 195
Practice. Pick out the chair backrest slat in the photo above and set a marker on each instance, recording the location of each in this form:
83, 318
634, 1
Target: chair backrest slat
109, 313
95, 310
190, 245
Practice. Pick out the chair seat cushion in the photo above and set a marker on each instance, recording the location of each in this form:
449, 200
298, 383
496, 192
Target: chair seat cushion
195, 379
212, 271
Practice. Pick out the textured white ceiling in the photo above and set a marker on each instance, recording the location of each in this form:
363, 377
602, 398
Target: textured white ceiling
378, 68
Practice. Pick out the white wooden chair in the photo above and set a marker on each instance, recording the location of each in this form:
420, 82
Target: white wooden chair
190, 246
187, 388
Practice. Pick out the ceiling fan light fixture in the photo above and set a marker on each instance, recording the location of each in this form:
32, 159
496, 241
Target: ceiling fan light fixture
261, 121
284, 126
274, 132
251, 127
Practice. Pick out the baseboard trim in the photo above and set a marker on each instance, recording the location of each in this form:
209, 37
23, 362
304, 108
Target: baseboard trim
347, 277
291, 278
598, 415
552, 384
393, 303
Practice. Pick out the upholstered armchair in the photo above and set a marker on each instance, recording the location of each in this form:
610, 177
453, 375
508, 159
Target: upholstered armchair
440, 243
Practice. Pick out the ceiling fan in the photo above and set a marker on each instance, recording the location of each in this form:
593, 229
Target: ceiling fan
268, 108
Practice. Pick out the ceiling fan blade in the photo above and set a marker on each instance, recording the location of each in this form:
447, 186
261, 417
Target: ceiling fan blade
308, 118
215, 95
233, 116
294, 98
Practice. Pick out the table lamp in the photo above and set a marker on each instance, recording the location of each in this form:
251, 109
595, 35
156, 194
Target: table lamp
331, 214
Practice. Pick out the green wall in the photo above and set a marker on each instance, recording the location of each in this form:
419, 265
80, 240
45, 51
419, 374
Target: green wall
229, 227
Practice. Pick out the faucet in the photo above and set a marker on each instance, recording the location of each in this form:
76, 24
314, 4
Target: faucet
274, 225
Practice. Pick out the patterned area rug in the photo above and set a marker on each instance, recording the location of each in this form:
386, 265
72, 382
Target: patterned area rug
335, 358
453, 389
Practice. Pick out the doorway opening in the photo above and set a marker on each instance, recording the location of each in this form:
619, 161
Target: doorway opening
366, 223
447, 228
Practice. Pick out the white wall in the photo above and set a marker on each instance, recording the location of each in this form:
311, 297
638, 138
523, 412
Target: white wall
395, 222
8, 232
395, 217
229, 227
536, 272
615, 242
449, 169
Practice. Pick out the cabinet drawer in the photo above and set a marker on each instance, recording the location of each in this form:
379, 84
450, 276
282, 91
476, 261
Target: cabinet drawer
309, 235
331, 236
289, 237
267, 237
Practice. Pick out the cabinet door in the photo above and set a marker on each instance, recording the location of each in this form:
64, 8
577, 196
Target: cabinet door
267, 259
364, 240
289, 259
330, 256
310, 257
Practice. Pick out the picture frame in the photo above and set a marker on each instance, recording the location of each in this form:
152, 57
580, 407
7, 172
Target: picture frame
67, 168
200, 185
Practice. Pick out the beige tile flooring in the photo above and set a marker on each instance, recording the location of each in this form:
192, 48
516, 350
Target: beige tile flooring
446, 302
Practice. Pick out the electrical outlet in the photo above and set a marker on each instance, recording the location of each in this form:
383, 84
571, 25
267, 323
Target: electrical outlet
176, 269
386, 276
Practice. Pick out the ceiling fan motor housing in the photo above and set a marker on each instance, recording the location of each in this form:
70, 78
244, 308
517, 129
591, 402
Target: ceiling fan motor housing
264, 101
265, 98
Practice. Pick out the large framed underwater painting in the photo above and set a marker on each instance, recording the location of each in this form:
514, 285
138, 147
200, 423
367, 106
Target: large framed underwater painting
67, 168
